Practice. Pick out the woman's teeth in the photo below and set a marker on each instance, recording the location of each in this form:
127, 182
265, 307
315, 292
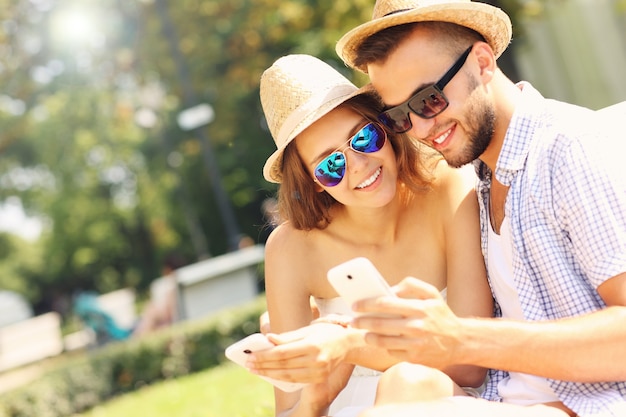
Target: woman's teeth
370, 180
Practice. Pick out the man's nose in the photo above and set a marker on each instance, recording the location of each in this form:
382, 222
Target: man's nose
420, 127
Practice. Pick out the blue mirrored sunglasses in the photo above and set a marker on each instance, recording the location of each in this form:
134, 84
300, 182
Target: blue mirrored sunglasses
331, 170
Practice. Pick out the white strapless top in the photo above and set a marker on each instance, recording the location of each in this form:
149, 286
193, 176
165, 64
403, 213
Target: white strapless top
335, 305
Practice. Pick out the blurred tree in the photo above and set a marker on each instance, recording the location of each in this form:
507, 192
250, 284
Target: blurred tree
89, 133
75, 156
90, 140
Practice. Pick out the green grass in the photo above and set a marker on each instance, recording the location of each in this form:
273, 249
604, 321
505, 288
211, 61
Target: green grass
227, 390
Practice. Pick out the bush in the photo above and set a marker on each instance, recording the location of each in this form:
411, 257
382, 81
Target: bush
120, 367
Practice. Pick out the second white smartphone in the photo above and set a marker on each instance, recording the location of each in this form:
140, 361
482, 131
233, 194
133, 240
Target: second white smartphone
239, 351
358, 279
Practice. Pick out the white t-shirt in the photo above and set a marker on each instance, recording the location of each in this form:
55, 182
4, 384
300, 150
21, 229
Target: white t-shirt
518, 388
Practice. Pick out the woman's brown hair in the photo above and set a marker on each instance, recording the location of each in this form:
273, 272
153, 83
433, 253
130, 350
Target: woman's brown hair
306, 208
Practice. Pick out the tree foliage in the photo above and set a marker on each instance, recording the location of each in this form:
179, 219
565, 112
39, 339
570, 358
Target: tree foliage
89, 135
90, 140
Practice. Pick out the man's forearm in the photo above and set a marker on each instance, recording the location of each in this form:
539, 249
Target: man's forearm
588, 348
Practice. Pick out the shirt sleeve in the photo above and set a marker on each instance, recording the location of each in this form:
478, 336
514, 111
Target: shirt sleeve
590, 202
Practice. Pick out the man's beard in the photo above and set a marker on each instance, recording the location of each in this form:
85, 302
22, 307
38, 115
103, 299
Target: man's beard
480, 125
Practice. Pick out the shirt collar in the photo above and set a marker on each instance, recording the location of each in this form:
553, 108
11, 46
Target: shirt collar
518, 136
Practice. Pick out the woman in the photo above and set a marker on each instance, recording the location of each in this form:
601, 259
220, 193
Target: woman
350, 189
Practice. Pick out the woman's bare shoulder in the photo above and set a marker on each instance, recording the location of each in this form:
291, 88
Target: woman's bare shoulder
291, 253
291, 245
285, 236
453, 190
447, 177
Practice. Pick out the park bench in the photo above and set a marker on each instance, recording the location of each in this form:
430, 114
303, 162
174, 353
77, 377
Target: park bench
220, 282
30, 340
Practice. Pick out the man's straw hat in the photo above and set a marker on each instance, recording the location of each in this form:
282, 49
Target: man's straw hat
491, 22
296, 91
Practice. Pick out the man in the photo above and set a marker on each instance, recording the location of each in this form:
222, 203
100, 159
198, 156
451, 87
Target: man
553, 212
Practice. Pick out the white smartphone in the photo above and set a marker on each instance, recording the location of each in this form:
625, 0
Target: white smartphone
239, 351
358, 279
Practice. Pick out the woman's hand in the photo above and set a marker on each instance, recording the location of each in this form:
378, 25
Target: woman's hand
309, 354
264, 323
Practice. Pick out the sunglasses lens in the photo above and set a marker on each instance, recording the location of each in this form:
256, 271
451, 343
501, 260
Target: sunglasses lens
330, 171
371, 138
395, 119
428, 103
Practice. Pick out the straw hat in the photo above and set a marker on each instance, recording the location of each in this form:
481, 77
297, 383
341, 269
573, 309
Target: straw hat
296, 91
491, 22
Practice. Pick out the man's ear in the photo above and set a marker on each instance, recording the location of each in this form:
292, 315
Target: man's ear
486, 60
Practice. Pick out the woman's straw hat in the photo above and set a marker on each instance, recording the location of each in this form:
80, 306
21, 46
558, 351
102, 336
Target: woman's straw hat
491, 22
296, 91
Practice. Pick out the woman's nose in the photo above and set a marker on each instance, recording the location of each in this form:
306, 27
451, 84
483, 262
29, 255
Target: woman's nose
355, 160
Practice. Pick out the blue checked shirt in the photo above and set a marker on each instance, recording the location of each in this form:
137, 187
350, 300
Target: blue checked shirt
567, 207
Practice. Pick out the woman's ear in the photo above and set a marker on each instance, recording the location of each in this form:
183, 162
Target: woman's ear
318, 188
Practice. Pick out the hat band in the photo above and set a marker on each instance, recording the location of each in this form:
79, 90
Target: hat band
314, 104
397, 11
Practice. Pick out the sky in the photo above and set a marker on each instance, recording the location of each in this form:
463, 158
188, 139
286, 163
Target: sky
14, 220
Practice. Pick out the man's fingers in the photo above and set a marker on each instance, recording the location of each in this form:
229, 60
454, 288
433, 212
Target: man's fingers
408, 291
380, 324
416, 289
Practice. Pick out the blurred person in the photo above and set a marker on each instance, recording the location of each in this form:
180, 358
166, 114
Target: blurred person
104, 326
162, 308
245, 241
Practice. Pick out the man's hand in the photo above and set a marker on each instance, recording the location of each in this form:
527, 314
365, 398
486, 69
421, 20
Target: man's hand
427, 332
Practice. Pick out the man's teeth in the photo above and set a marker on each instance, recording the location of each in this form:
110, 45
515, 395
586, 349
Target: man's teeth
370, 180
441, 138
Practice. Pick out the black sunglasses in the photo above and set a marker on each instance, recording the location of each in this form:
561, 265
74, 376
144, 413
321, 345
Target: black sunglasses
426, 103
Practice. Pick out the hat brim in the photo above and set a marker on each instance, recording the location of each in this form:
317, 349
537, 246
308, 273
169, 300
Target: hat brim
272, 170
491, 22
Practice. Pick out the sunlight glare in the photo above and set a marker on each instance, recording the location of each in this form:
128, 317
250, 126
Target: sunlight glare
77, 27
